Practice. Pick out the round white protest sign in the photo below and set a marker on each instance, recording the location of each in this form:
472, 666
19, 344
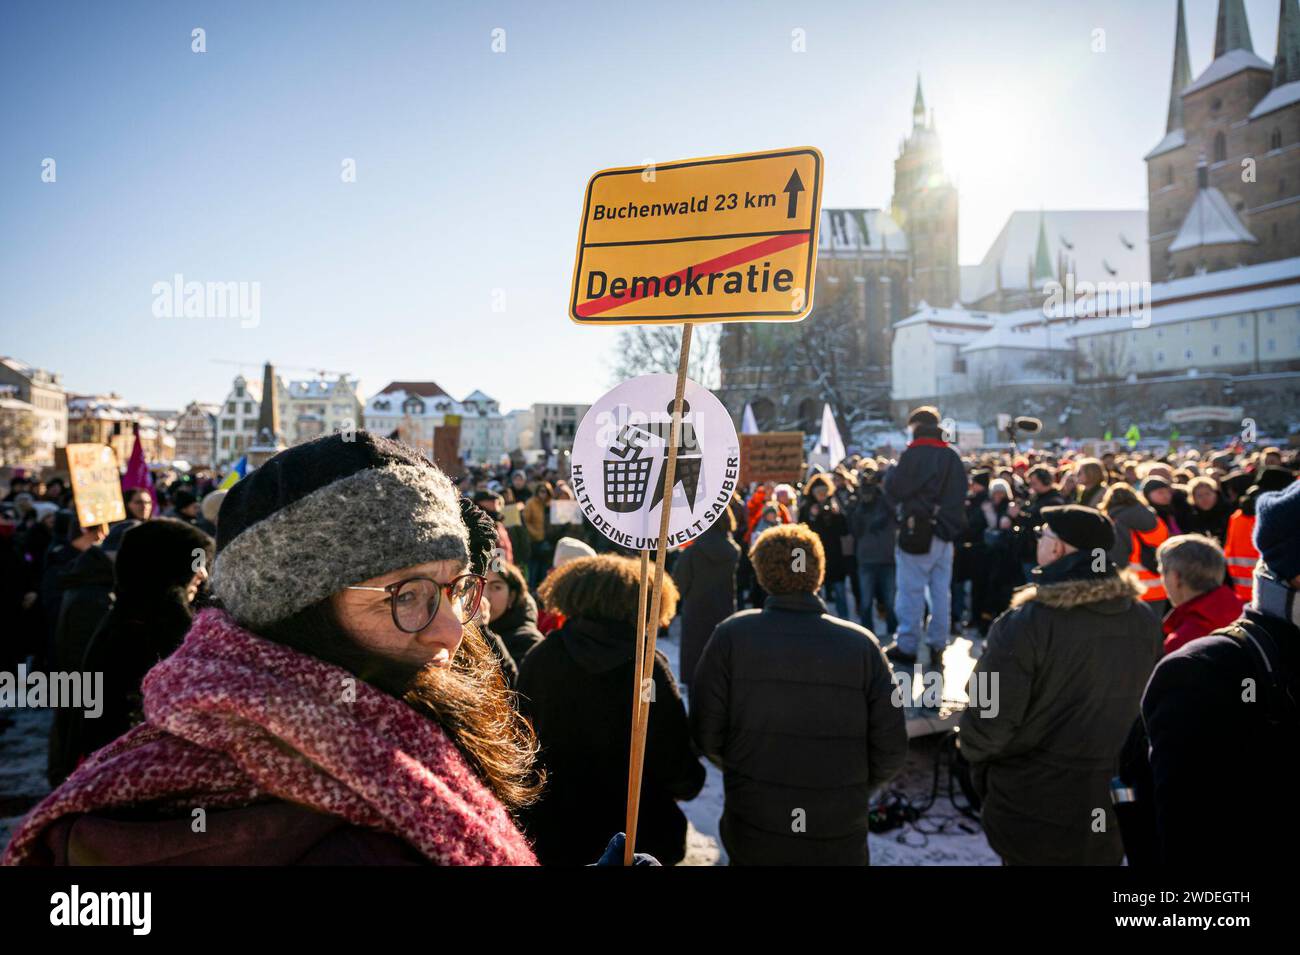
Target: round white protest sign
620, 453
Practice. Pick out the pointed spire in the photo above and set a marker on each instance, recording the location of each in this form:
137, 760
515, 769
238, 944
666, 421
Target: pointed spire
1232, 31
1182, 73
1286, 66
918, 106
1042, 258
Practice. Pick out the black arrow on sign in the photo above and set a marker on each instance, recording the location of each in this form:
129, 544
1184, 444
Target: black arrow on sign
793, 187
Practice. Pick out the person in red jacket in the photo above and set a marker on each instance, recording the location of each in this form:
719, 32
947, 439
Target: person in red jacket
1193, 569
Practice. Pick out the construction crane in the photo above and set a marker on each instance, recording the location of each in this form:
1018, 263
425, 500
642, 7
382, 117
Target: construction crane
319, 372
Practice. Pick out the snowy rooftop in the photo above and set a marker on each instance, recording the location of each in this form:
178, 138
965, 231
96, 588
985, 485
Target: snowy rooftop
1210, 221
1227, 279
1100, 245
1174, 139
1284, 95
1023, 335
853, 231
315, 388
933, 315
1230, 64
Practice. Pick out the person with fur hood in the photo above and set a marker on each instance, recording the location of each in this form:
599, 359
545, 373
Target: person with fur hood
1059, 684
338, 705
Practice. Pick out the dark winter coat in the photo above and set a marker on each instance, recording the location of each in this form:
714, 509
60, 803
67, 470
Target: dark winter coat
795, 706
873, 526
517, 628
1070, 658
127, 645
1223, 774
268, 833
828, 522
705, 575
1127, 519
930, 473
576, 687
1211, 523
87, 599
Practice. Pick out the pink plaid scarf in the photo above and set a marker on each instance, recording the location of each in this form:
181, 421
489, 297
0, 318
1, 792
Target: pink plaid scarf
232, 719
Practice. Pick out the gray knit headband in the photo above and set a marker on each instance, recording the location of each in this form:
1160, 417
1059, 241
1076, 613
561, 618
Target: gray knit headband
366, 524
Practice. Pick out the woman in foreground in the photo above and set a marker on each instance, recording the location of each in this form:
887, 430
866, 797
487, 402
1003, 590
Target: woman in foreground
339, 708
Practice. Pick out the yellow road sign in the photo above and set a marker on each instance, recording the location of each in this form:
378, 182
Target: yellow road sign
721, 239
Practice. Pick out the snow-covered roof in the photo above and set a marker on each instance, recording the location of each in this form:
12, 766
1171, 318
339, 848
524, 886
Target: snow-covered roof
1230, 64
1009, 334
1227, 279
933, 315
425, 389
38, 375
1100, 245
478, 396
1210, 221
855, 231
1277, 98
1211, 306
1174, 139
316, 388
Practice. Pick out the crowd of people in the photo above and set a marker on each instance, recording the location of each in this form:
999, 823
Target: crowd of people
348, 656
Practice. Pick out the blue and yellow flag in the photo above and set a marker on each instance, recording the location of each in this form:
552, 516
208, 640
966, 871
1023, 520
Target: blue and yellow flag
238, 471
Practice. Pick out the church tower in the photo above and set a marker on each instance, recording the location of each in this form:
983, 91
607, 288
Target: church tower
925, 207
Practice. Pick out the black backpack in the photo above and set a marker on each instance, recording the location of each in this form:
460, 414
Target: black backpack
916, 526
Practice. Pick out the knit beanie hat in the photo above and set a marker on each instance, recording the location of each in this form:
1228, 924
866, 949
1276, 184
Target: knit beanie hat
570, 548
1277, 516
328, 514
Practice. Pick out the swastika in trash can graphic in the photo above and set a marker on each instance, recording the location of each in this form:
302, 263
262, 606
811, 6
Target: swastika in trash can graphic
627, 470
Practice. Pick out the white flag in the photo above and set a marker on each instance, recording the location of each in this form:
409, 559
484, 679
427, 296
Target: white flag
830, 447
747, 423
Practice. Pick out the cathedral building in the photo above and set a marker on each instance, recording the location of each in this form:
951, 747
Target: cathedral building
1224, 182
874, 268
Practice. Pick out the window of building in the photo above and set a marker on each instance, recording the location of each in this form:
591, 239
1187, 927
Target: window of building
1241, 321
1268, 317
1220, 147
248, 407
1187, 354
1270, 345
1216, 104
1275, 139
1214, 324
1241, 348
1169, 175
1160, 358
230, 407
227, 424
1215, 351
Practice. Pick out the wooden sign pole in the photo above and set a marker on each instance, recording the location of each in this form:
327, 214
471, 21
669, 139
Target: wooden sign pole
648, 630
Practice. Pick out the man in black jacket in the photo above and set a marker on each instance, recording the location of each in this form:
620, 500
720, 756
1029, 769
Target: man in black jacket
1054, 695
796, 707
1216, 716
928, 487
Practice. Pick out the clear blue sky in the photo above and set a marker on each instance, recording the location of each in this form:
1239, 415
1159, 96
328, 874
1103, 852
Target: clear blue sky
225, 166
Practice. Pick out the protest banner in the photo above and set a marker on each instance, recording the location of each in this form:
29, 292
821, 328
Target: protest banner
771, 456
96, 484
723, 238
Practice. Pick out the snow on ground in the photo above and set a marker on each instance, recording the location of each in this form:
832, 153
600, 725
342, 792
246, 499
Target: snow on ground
24, 742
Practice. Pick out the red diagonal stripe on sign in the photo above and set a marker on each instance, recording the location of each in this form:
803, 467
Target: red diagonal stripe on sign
736, 257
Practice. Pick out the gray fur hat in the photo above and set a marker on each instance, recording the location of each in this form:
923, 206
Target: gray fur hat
327, 514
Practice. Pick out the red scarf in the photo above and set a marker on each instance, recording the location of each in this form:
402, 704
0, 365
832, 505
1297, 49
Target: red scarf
232, 718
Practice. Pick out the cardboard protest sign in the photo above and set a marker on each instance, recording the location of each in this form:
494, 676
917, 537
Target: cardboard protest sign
720, 239
771, 456
620, 456
96, 484
565, 512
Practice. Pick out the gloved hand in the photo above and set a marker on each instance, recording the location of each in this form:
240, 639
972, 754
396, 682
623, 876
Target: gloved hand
614, 853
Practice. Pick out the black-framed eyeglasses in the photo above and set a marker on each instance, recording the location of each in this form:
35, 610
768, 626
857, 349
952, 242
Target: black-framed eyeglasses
415, 600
